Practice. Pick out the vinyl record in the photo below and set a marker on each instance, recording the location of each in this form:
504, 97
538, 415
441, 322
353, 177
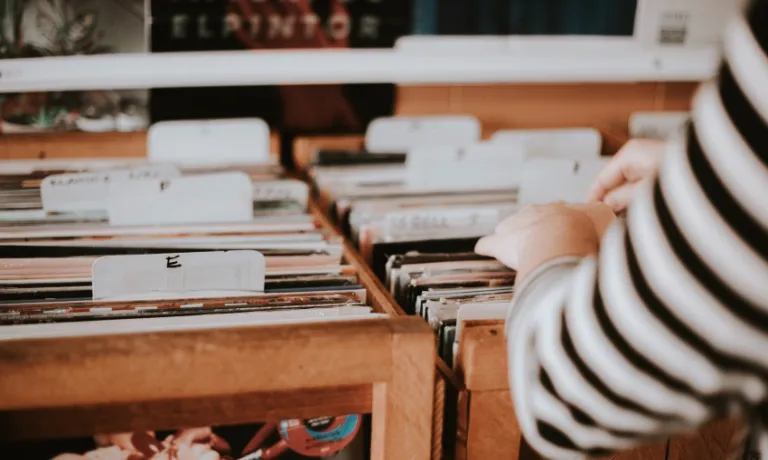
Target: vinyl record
321, 436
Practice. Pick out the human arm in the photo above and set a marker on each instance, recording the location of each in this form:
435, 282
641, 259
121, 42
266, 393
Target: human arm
666, 327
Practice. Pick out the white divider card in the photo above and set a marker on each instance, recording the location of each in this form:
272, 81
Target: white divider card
88, 191
205, 198
572, 144
546, 180
431, 222
209, 142
179, 276
656, 125
399, 134
482, 166
282, 190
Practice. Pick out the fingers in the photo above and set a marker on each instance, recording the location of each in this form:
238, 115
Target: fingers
502, 247
620, 198
638, 159
610, 177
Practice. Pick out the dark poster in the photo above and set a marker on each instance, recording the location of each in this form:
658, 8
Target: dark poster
524, 17
186, 25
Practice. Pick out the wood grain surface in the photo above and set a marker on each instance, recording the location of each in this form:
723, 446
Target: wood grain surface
481, 361
175, 377
493, 431
85, 420
42, 146
714, 442
530, 106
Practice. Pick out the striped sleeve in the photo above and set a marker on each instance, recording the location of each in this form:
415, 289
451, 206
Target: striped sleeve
667, 327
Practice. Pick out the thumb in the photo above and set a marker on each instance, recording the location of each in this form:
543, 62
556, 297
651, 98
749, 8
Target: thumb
619, 199
501, 247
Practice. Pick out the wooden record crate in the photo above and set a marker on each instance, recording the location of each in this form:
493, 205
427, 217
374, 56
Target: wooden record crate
486, 426
80, 386
489, 427
447, 385
85, 385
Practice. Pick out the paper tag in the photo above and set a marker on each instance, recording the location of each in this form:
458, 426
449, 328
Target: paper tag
572, 144
436, 220
399, 134
281, 190
178, 276
209, 142
683, 22
546, 180
205, 198
656, 125
484, 166
82, 192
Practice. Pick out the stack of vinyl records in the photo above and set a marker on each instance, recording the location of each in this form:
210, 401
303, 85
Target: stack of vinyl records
423, 190
112, 247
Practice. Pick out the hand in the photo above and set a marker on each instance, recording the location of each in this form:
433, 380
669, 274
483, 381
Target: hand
538, 234
637, 161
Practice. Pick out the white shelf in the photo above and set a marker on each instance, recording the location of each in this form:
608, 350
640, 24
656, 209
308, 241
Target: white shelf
403, 66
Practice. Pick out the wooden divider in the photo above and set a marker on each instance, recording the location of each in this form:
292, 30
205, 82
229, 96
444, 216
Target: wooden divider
383, 302
165, 380
606, 106
41, 146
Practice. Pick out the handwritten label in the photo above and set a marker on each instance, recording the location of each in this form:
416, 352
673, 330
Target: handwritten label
656, 125
573, 144
399, 134
484, 166
281, 190
205, 198
84, 192
546, 180
180, 276
209, 142
434, 221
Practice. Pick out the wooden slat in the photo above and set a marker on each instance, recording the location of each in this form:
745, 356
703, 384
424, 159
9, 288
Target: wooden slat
493, 431
481, 362
82, 145
403, 405
172, 414
46, 373
382, 301
527, 106
72, 145
656, 451
714, 442
426, 100
462, 425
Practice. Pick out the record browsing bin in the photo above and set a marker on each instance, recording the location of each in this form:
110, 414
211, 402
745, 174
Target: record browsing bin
166, 380
267, 373
477, 396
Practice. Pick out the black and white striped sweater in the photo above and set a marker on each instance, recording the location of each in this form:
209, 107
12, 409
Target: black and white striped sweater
667, 328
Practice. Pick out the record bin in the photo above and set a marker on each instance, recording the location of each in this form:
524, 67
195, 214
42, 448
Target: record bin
78, 386
486, 425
